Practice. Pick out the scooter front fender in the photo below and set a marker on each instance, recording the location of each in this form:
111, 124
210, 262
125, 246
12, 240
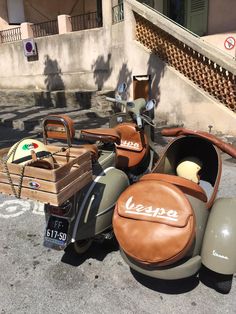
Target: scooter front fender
218, 249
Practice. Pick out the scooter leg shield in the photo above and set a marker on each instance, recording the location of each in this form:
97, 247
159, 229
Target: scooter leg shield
218, 249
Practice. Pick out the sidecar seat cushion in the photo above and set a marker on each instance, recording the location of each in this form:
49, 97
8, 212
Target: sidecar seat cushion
154, 222
185, 185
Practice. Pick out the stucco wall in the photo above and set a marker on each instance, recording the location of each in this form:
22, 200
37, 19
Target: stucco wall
71, 61
221, 16
100, 59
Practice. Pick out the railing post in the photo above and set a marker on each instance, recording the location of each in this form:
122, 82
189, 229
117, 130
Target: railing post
64, 24
107, 13
26, 30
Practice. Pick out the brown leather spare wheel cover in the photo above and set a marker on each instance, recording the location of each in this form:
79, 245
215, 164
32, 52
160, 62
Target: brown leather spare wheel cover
154, 222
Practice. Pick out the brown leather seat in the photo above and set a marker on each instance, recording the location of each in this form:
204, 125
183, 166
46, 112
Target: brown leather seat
133, 145
104, 135
154, 222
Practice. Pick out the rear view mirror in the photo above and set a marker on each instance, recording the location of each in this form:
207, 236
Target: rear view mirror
150, 104
122, 88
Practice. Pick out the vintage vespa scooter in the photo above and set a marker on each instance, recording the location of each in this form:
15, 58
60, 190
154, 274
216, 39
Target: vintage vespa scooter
119, 155
168, 223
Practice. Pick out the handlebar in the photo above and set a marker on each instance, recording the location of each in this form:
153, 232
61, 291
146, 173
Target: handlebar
134, 107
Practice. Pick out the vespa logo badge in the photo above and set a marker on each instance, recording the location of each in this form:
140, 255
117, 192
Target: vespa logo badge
129, 144
219, 255
149, 211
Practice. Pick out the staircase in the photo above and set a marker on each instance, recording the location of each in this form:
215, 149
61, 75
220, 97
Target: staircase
24, 110
195, 82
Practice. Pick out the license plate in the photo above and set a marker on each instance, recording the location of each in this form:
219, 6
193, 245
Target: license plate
56, 231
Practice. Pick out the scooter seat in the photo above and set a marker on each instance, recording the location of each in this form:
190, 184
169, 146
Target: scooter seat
154, 222
104, 135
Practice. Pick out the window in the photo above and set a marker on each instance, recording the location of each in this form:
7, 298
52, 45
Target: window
192, 14
16, 14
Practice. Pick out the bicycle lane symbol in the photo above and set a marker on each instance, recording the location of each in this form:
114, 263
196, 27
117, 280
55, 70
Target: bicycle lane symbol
14, 208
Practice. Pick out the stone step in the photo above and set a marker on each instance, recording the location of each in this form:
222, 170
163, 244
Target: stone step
27, 114
55, 99
31, 119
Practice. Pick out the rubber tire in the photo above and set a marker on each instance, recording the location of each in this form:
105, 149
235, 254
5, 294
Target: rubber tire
82, 246
223, 283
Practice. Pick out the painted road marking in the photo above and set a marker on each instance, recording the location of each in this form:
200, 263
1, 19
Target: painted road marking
230, 43
14, 208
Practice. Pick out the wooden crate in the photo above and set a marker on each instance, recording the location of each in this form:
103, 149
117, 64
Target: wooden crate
73, 170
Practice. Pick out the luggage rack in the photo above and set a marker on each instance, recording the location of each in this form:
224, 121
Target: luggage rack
71, 172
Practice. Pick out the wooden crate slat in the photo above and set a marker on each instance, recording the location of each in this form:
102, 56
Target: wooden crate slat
72, 172
74, 187
73, 151
50, 175
53, 187
52, 198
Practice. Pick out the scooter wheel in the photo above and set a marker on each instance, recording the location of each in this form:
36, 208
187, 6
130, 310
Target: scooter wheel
81, 246
223, 283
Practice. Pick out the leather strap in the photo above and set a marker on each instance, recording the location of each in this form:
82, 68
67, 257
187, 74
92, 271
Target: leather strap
187, 186
104, 135
225, 147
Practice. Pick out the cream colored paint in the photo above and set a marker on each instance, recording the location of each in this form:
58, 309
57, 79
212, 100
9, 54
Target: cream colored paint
218, 41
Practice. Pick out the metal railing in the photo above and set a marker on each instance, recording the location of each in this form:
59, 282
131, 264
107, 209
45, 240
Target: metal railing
118, 13
10, 35
85, 21
45, 29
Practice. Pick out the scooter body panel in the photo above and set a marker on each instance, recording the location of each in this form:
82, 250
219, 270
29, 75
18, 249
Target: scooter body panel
218, 249
96, 204
182, 270
201, 216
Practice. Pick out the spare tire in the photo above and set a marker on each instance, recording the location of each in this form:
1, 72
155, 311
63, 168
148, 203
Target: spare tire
154, 222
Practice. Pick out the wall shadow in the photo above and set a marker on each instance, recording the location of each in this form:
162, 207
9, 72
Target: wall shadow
102, 70
53, 82
156, 69
124, 76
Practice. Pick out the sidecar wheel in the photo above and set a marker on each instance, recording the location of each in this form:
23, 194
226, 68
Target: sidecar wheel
223, 283
81, 246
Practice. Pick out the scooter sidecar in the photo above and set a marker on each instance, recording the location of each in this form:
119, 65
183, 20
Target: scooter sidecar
162, 222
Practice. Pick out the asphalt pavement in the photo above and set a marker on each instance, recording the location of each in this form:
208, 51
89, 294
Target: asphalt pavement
38, 280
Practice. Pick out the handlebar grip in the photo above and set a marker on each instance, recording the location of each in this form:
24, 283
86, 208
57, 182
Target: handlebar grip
111, 99
139, 121
172, 132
